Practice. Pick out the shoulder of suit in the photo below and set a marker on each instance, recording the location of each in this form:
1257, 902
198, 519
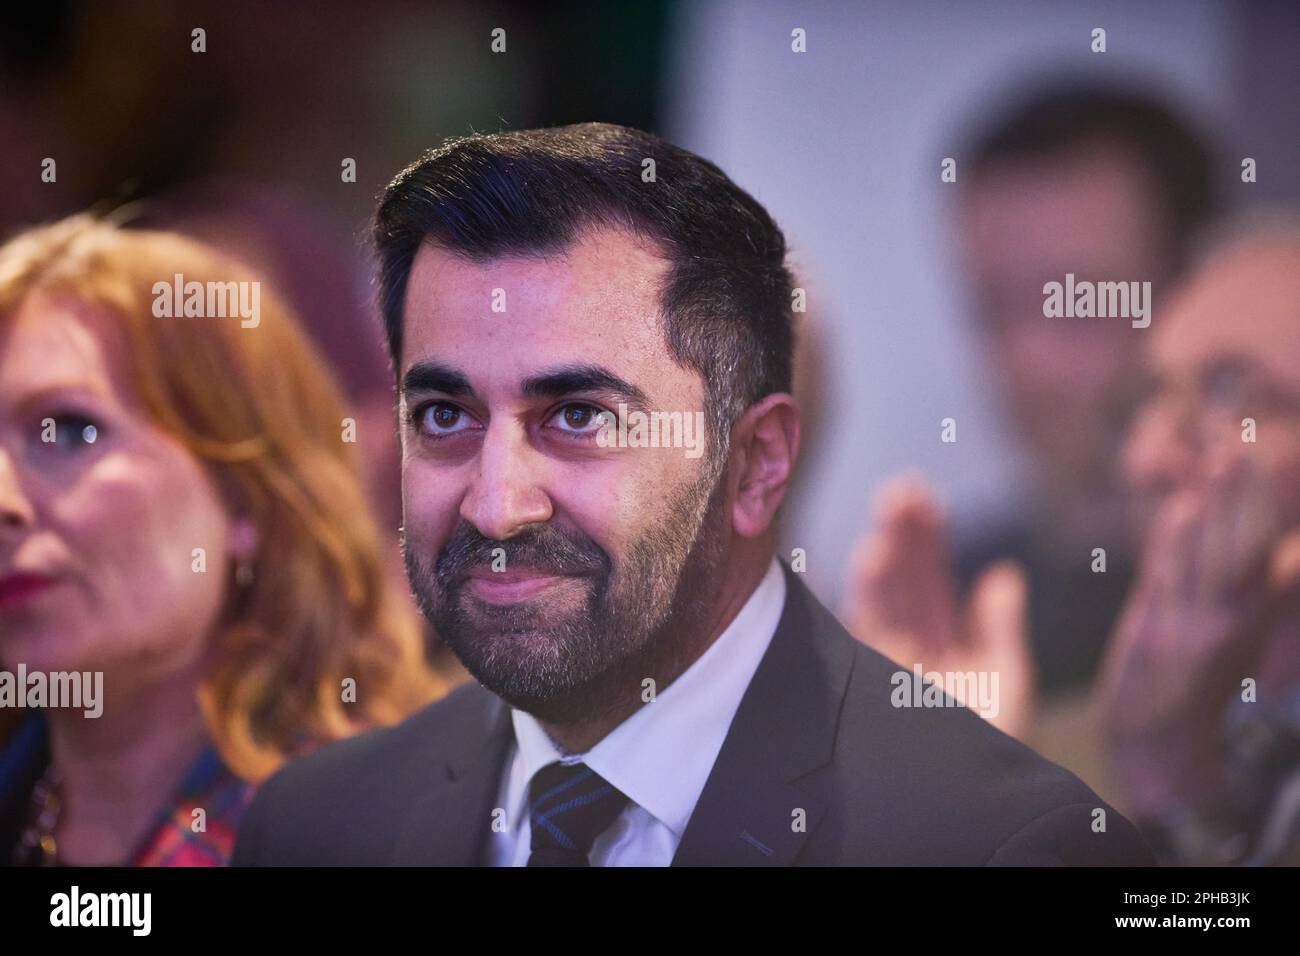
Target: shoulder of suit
955, 751
382, 753
975, 791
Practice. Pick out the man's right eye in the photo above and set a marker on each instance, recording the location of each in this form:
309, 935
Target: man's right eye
440, 418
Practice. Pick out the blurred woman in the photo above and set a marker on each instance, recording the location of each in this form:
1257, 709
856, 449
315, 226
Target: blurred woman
179, 511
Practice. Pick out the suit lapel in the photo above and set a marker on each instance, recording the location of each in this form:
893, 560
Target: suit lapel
770, 784
449, 822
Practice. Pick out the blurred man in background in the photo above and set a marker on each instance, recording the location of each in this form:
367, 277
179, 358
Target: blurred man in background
1201, 692
1106, 186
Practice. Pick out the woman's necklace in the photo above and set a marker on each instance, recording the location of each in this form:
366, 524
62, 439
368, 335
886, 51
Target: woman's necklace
36, 846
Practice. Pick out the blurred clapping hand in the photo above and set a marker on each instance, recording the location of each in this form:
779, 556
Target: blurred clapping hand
1192, 631
901, 598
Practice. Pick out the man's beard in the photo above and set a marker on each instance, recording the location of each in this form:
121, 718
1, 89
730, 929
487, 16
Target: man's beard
569, 660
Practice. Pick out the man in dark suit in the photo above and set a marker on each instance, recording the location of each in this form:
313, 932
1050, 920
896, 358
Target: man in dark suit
592, 335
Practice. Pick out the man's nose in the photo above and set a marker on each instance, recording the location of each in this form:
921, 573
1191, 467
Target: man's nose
506, 495
16, 512
1161, 448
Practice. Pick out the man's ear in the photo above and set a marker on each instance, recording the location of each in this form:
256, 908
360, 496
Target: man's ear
764, 446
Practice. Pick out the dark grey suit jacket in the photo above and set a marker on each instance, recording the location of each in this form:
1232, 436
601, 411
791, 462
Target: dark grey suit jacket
815, 732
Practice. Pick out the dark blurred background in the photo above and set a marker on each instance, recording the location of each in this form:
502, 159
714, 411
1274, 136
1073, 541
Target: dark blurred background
285, 91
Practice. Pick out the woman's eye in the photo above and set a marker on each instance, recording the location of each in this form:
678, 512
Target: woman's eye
580, 418
69, 432
441, 418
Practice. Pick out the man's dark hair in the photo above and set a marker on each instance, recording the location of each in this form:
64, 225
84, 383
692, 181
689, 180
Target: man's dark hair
1068, 116
726, 300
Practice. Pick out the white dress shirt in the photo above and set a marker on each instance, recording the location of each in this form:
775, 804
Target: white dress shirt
661, 756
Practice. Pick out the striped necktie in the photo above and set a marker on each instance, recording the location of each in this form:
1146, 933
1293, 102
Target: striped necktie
569, 806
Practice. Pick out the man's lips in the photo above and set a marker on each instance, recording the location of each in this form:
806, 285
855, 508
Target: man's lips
16, 589
511, 585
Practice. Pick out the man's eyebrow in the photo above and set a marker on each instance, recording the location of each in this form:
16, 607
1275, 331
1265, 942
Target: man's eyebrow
559, 382
433, 376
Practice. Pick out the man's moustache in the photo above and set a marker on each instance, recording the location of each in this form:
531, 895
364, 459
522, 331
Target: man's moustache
456, 563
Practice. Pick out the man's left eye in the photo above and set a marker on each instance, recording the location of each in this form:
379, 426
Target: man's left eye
578, 417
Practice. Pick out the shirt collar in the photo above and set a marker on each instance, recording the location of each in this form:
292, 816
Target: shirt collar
662, 755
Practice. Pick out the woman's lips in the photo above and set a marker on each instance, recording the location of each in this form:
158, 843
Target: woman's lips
17, 589
509, 587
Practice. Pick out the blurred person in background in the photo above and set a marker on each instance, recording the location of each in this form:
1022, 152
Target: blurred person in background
1200, 699
1109, 186
127, 443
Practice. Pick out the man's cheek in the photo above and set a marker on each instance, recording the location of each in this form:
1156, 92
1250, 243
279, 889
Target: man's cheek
605, 516
430, 507
424, 538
